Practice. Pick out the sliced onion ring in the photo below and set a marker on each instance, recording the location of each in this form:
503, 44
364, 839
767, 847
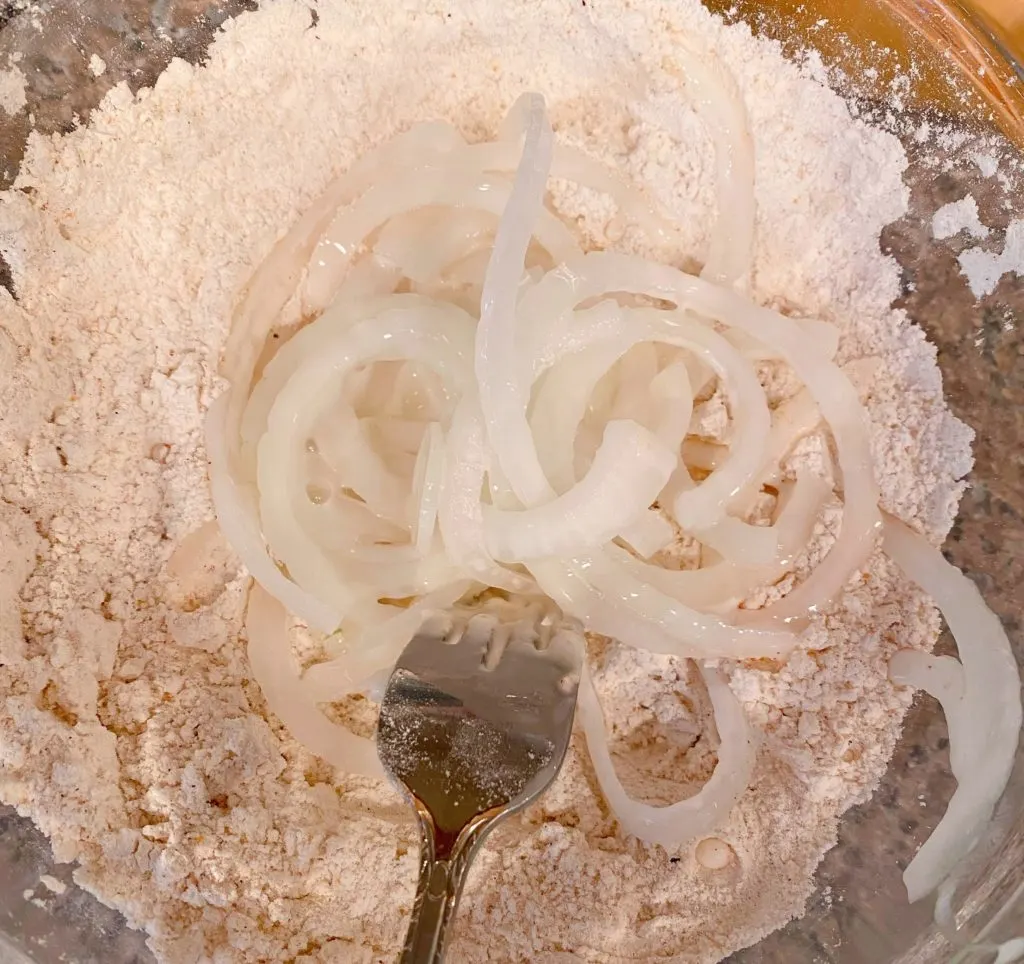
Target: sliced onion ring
674, 825
984, 722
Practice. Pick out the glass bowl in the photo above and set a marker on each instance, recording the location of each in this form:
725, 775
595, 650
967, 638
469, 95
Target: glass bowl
922, 68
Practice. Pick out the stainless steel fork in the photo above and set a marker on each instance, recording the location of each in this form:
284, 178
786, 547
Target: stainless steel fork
473, 726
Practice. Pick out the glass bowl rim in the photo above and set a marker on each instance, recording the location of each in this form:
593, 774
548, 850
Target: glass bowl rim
979, 48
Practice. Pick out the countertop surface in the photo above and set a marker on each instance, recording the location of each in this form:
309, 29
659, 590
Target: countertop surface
858, 913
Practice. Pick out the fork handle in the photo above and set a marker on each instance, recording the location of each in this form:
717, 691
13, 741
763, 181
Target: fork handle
438, 892
432, 912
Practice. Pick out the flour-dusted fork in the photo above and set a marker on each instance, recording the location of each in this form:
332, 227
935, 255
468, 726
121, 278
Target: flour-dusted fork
473, 726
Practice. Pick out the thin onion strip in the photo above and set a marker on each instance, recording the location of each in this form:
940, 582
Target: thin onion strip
673, 825
984, 722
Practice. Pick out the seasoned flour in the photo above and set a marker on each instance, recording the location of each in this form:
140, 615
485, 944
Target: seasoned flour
130, 730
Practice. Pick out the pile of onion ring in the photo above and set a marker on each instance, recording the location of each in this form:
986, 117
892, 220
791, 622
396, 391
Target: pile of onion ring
465, 400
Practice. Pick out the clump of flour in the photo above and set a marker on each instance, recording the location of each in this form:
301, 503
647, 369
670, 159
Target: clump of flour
984, 269
131, 731
12, 90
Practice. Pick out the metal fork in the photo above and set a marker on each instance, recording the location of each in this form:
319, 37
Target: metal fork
473, 726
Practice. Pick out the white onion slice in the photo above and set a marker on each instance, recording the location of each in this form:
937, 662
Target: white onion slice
702, 378
984, 723
429, 478
631, 468
721, 586
560, 406
434, 337
503, 398
718, 587
672, 398
822, 338
701, 505
460, 512
368, 279
648, 534
342, 443
609, 600
419, 395
599, 273
941, 677
1009, 952
396, 435
437, 239
637, 370
274, 282
394, 449
346, 569
704, 505
424, 187
794, 419
266, 625
312, 341
801, 505
235, 505
671, 826
742, 543
571, 164
346, 529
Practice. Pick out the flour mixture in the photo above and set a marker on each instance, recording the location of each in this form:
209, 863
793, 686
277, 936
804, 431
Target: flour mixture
131, 731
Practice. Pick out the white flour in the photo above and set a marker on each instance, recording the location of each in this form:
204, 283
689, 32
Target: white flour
131, 732
994, 252
984, 269
959, 216
12, 90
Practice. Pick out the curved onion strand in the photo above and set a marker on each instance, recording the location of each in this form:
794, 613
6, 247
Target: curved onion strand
560, 406
941, 677
236, 507
609, 600
503, 397
437, 339
984, 722
436, 239
427, 187
343, 445
705, 504
274, 282
673, 825
571, 164
429, 478
596, 274
311, 341
266, 626
672, 400
742, 543
721, 586
631, 468
649, 534
460, 513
